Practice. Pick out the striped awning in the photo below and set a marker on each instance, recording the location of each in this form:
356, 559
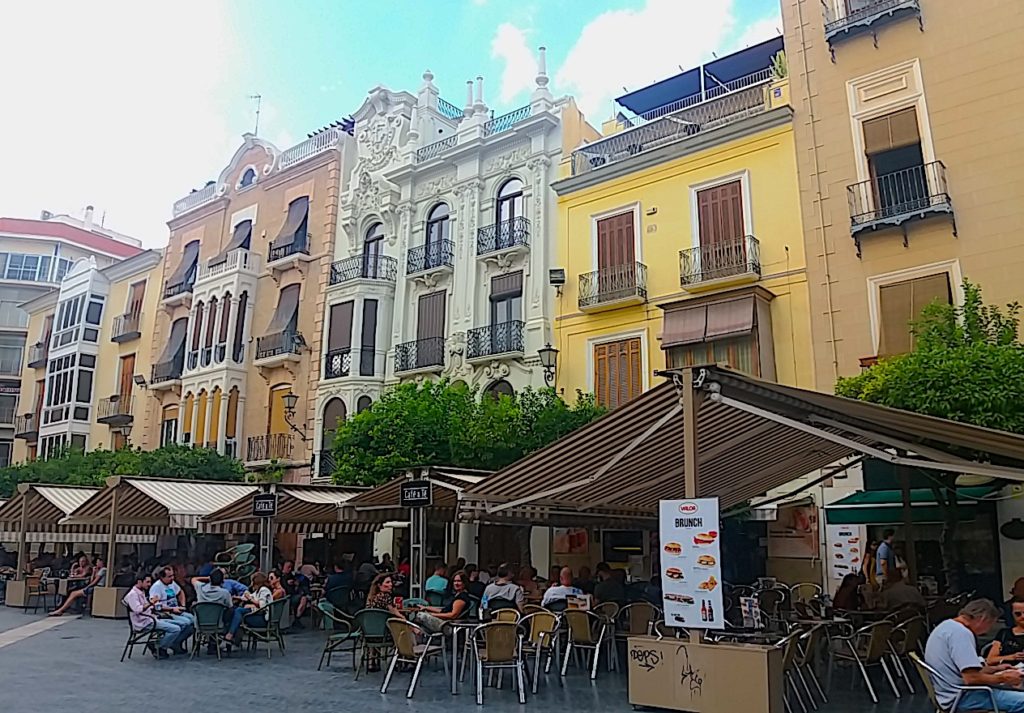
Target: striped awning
158, 504
382, 504
77, 536
45, 507
752, 435
300, 508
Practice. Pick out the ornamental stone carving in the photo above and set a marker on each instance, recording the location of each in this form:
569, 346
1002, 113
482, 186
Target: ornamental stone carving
377, 142
504, 162
496, 370
436, 187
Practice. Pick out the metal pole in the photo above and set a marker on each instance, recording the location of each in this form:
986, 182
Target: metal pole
23, 534
908, 526
112, 543
417, 552
690, 459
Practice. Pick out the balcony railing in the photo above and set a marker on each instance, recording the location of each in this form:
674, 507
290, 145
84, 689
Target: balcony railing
315, 144
26, 426
12, 361
178, 288
325, 463
893, 198
723, 258
420, 354
338, 363
270, 446
503, 236
495, 339
436, 149
115, 410
195, 199
682, 119
365, 267
856, 16
37, 354
449, 110
506, 121
126, 327
430, 257
240, 259
613, 284
286, 342
165, 371
298, 246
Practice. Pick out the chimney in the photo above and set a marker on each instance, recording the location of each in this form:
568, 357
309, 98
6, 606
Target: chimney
45, 215
88, 217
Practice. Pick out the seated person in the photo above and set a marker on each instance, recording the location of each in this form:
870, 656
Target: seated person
437, 582
584, 580
140, 611
382, 594
170, 598
952, 652
847, 597
433, 618
297, 586
341, 577
276, 584
1016, 595
609, 588
898, 593
476, 587
212, 590
504, 588
236, 589
527, 579
98, 579
559, 593
310, 570
81, 569
1009, 644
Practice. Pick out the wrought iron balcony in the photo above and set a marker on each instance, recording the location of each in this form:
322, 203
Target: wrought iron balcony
720, 259
26, 427
860, 16
495, 339
506, 235
449, 110
894, 198
506, 121
680, 120
270, 446
115, 410
166, 371
325, 463
364, 267
618, 284
432, 256
126, 327
435, 149
178, 288
279, 343
37, 354
338, 363
420, 354
298, 246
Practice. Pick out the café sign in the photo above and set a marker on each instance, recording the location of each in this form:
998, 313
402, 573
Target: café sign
417, 494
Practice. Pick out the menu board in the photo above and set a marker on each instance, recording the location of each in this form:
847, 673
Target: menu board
846, 547
691, 564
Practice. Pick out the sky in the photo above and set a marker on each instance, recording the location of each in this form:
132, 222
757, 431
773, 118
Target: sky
127, 106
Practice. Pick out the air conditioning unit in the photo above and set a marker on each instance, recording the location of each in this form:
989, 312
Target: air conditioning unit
556, 276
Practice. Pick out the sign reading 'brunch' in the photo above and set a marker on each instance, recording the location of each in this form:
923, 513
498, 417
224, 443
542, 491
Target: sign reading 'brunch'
691, 564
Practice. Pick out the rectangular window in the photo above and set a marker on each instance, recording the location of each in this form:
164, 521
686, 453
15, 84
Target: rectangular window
618, 371
340, 334
615, 246
901, 303
739, 353
507, 298
136, 296
63, 266
94, 313
895, 161
368, 342
168, 431
77, 442
83, 390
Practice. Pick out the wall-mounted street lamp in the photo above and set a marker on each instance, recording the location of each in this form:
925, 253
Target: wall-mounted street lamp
290, 401
549, 360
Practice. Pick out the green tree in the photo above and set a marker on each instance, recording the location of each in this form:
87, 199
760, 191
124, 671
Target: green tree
967, 365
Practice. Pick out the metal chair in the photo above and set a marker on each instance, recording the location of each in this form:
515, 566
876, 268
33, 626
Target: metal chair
790, 649
804, 592
435, 599
928, 674
409, 651
868, 646
540, 636
637, 619
374, 640
339, 597
509, 615
341, 632
906, 638
270, 631
209, 626
532, 609
498, 646
36, 585
141, 637
587, 633
810, 642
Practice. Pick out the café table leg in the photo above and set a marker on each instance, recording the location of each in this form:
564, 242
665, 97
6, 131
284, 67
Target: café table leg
455, 660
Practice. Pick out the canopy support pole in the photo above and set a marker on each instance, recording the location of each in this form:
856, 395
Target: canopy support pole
690, 459
23, 534
908, 526
112, 537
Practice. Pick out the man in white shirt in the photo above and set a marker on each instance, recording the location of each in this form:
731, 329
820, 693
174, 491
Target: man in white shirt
562, 591
952, 651
170, 598
140, 611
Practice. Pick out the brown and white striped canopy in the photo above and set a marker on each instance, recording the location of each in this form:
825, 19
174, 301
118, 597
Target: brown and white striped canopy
382, 504
300, 508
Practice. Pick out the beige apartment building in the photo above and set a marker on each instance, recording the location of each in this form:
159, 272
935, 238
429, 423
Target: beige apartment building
910, 160
235, 360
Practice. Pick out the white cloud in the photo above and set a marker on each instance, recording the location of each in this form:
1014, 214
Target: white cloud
759, 31
122, 105
517, 76
633, 48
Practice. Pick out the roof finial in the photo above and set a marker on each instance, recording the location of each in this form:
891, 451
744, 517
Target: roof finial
428, 79
468, 109
479, 106
542, 67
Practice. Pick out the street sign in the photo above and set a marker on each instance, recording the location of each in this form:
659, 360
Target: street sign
416, 494
264, 504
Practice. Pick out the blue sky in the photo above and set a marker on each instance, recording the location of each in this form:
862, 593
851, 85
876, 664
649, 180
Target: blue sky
127, 105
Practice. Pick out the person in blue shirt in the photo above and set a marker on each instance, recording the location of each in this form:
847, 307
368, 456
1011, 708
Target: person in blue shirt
885, 562
437, 582
235, 588
341, 577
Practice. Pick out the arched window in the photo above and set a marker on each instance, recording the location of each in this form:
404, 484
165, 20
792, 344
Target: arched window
437, 224
499, 389
510, 202
363, 403
372, 244
248, 178
334, 414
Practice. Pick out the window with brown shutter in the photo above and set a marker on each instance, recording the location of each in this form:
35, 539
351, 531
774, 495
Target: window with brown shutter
720, 213
340, 334
891, 131
902, 303
136, 296
618, 372
615, 238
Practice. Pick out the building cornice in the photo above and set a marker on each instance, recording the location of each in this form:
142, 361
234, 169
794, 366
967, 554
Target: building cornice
137, 265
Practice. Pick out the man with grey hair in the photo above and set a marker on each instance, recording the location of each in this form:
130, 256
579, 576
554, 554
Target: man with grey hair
952, 651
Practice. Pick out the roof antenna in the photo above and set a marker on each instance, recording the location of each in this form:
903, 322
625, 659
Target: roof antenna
258, 98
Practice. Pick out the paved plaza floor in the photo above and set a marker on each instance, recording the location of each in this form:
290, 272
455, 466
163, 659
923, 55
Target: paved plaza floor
72, 664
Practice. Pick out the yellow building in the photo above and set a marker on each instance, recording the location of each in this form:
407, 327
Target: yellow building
680, 235
93, 335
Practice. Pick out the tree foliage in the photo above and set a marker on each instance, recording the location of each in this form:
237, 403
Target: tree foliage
440, 423
73, 467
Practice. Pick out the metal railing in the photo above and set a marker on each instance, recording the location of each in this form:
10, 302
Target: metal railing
315, 144
115, 408
507, 121
325, 463
436, 149
298, 245
338, 363
420, 354
26, 425
900, 194
125, 326
12, 361
286, 342
270, 446
164, 371
864, 13
366, 267
611, 284
714, 108
449, 110
723, 258
195, 199
37, 354
430, 256
240, 259
502, 236
494, 339
178, 288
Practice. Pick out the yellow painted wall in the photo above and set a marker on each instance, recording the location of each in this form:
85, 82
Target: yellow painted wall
29, 377
666, 226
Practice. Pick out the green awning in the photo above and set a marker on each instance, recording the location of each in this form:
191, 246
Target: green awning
885, 507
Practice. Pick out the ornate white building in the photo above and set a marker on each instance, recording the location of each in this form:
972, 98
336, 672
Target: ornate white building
446, 234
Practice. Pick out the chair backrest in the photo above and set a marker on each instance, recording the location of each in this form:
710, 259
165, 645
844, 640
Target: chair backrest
638, 618
275, 612
435, 599
244, 548
790, 649
209, 616
539, 627
558, 606
339, 597
925, 672
804, 591
608, 610
506, 615
32, 582
878, 642
500, 641
373, 623
909, 635
404, 635
811, 641
581, 625
334, 618
769, 600
499, 603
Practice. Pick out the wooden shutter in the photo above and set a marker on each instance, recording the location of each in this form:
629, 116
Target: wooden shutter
891, 131
340, 334
900, 304
601, 384
431, 315
368, 338
720, 213
127, 377
136, 297
231, 429
211, 319
276, 422
615, 238
225, 319
618, 372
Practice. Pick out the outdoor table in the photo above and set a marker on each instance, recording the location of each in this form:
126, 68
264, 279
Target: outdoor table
456, 626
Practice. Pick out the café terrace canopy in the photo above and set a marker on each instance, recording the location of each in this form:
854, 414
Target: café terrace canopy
38, 509
382, 504
300, 508
751, 435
